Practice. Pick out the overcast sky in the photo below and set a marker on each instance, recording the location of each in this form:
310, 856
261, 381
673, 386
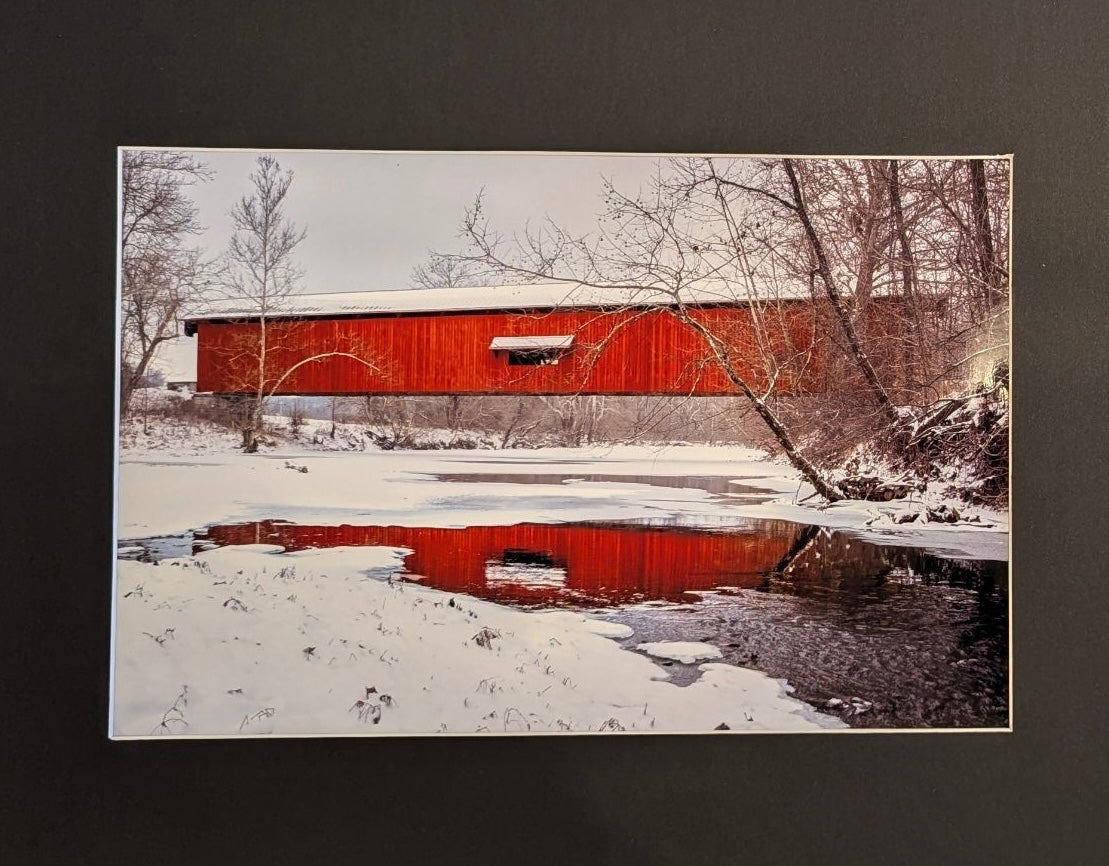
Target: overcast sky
372, 217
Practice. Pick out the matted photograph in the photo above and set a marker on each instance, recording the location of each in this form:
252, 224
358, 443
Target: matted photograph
498, 443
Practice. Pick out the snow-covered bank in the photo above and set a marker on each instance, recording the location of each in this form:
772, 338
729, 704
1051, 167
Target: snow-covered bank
248, 640
251, 640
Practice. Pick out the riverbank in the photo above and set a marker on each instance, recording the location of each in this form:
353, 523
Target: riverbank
252, 640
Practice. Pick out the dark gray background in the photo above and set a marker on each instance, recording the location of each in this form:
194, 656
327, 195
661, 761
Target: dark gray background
854, 78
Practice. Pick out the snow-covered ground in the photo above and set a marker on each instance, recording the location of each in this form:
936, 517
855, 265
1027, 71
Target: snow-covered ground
250, 640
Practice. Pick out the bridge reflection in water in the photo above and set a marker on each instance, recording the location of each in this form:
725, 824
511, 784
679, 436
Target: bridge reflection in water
924, 639
596, 564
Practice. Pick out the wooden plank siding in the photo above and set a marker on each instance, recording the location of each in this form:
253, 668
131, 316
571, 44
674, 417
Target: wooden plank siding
627, 352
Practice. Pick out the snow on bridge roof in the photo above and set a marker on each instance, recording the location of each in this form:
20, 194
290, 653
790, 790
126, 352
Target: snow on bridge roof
538, 296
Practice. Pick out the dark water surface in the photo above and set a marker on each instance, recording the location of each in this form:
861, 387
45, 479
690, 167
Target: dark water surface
888, 636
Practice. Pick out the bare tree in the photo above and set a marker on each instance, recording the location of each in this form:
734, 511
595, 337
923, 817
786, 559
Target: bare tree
906, 264
443, 271
516, 425
574, 422
863, 287
657, 246
392, 421
865, 222
261, 271
158, 272
899, 229
968, 234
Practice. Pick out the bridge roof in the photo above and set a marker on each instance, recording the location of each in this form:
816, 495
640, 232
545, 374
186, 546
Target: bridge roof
538, 296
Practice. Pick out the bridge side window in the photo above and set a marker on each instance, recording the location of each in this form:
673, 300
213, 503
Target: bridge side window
531, 350
534, 358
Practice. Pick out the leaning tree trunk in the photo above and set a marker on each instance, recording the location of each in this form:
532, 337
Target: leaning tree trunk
798, 460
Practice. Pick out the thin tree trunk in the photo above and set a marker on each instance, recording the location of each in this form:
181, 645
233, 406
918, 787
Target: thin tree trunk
454, 416
908, 273
254, 422
987, 264
869, 229
517, 415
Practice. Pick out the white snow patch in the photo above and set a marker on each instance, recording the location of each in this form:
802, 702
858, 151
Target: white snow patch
601, 627
686, 652
246, 641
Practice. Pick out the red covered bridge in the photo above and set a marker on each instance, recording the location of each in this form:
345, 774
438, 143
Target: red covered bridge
533, 339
